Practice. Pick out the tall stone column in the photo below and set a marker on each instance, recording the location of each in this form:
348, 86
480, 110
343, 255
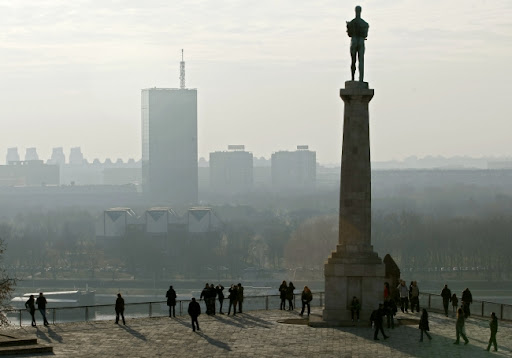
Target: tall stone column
354, 269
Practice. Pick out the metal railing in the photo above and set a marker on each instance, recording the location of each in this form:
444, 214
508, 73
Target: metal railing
478, 308
145, 309
431, 301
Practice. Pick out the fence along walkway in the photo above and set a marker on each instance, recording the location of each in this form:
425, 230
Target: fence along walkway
478, 308
431, 301
145, 309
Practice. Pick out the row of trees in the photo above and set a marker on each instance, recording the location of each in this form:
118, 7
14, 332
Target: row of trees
270, 239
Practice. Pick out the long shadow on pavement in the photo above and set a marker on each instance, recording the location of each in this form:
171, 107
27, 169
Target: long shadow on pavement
187, 323
231, 321
54, 335
41, 335
255, 320
134, 333
214, 341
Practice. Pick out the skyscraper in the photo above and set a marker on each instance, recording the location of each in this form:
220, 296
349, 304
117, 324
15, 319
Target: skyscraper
169, 143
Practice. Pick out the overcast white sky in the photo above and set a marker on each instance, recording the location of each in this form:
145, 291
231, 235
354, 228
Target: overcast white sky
268, 74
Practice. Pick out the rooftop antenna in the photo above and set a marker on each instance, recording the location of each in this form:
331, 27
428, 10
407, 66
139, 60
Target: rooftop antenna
182, 71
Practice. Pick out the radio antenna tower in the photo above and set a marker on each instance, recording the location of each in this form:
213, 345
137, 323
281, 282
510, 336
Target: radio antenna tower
182, 71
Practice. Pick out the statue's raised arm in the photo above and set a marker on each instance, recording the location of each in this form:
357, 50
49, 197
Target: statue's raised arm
357, 29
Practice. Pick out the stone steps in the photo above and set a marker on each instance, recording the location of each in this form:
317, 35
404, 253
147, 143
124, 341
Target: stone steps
17, 346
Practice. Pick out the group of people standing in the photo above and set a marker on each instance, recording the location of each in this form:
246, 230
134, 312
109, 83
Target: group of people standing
210, 293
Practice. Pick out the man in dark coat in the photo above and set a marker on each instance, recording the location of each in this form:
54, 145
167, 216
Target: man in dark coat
376, 318
194, 310
171, 301
467, 299
220, 295
447, 297
120, 308
41, 306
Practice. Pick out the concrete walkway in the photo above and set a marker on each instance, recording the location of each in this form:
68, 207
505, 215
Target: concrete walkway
260, 334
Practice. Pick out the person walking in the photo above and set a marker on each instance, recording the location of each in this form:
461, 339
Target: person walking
171, 301
306, 297
290, 295
459, 327
424, 325
282, 295
120, 308
467, 300
233, 297
355, 307
41, 306
455, 302
194, 310
31, 307
493, 325
240, 297
446, 294
404, 296
220, 295
376, 319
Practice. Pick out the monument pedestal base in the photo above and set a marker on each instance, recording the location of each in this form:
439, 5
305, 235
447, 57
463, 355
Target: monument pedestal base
348, 277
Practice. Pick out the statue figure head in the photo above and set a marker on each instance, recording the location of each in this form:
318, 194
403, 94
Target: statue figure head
358, 11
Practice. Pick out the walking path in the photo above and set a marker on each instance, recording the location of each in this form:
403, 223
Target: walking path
260, 334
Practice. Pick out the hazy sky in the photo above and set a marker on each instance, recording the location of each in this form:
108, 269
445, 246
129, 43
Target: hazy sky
268, 74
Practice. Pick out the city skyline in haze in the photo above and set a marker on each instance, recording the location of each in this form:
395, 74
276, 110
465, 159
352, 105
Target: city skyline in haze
268, 74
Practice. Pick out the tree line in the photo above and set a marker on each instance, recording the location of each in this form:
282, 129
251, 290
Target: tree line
270, 239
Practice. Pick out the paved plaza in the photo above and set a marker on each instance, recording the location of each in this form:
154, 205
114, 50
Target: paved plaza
263, 334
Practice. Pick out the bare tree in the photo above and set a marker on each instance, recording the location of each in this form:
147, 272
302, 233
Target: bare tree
6, 286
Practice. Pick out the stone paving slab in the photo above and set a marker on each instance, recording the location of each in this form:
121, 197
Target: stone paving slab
259, 334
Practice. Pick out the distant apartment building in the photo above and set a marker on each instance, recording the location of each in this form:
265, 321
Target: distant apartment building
29, 173
231, 171
122, 175
75, 156
294, 170
169, 145
58, 157
31, 154
12, 155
